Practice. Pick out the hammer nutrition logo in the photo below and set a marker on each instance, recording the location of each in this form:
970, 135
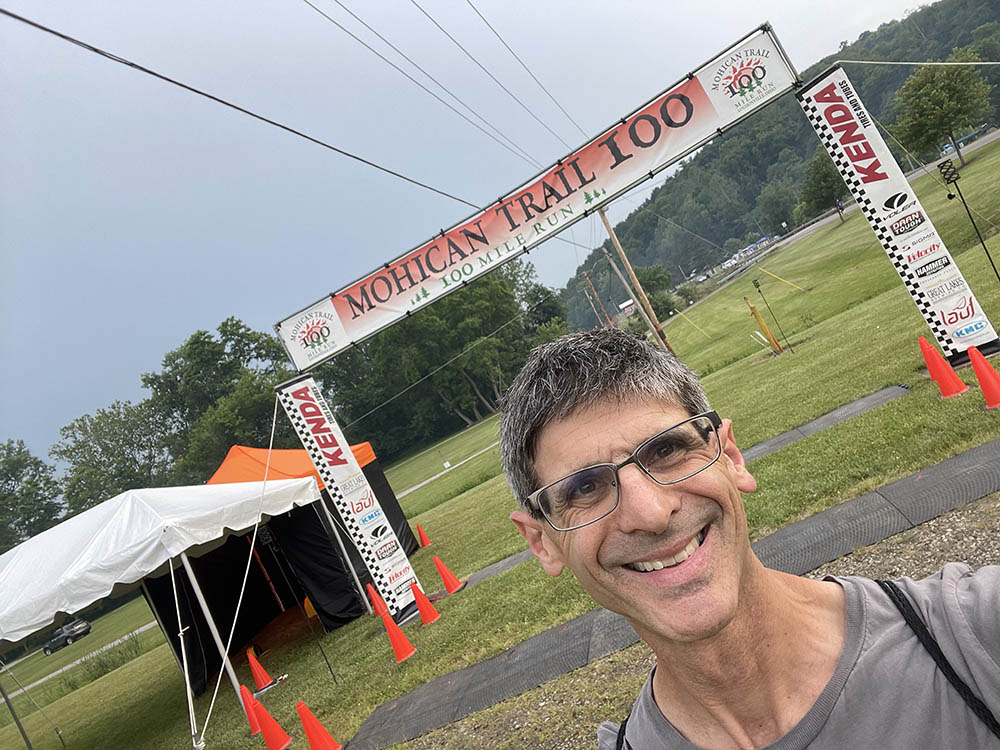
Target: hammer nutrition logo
935, 266
908, 223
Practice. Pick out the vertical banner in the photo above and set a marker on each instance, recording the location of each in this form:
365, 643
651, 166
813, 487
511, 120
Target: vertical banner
902, 226
360, 510
739, 81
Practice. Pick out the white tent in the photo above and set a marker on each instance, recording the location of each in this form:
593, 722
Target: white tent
125, 538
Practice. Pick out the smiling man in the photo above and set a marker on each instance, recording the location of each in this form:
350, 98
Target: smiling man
629, 479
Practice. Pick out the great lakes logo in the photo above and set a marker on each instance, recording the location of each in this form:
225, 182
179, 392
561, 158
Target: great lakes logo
946, 289
908, 223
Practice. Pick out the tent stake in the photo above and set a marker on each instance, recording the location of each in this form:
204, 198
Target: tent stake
211, 626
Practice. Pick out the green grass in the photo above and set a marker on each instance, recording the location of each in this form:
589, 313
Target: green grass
105, 629
854, 332
470, 474
428, 462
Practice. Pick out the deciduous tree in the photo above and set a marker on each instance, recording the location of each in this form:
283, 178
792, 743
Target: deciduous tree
29, 495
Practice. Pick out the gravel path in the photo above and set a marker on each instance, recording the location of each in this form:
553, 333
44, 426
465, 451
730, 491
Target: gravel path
563, 714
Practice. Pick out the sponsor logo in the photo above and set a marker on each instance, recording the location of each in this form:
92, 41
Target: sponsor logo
368, 518
896, 201
918, 240
368, 501
397, 574
932, 267
352, 484
387, 549
316, 414
923, 252
379, 531
970, 330
964, 310
946, 289
404, 587
908, 223
847, 119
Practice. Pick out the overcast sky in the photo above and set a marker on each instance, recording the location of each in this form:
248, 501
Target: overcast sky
133, 213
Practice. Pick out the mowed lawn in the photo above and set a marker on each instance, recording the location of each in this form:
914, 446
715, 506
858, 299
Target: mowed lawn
854, 331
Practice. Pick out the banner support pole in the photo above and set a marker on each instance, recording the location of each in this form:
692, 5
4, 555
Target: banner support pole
345, 556
651, 320
10, 705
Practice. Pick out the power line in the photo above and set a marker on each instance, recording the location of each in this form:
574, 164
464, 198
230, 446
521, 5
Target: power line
519, 152
927, 62
115, 58
542, 87
493, 77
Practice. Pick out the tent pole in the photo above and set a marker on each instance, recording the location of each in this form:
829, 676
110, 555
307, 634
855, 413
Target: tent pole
181, 631
347, 559
10, 705
211, 626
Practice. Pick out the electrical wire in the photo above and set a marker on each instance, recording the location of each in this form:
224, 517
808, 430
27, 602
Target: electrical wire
533, 76
115, 58
417, 83
493, 77
524, 154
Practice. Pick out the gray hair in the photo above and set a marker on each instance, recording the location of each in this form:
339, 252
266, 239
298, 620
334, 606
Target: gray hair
576, 371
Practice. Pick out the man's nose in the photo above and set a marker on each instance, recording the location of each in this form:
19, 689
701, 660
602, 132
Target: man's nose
644, 505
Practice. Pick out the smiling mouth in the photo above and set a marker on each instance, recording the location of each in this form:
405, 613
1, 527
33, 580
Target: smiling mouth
648, 566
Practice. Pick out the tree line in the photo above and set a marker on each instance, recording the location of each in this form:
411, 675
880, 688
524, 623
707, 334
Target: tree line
441, 369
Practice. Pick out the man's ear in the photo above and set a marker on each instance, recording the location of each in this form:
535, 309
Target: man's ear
744, 479
540, 543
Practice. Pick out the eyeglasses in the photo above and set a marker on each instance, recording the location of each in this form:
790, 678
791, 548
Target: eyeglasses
588, 495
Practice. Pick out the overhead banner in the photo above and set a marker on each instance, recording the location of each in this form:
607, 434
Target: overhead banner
347, 486
900, 222
741, 80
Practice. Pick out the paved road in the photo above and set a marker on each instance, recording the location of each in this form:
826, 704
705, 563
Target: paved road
58, 672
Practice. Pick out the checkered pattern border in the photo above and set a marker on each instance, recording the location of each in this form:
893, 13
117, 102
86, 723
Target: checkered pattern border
378, 572
828, 137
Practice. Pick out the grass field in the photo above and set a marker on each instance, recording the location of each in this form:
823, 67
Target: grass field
854, 332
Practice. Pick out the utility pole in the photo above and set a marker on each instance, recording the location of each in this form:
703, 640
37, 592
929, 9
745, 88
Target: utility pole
631, 294
643, 302
607, 319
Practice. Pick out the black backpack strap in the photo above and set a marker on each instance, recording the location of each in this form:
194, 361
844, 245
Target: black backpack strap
927, 640
621, 743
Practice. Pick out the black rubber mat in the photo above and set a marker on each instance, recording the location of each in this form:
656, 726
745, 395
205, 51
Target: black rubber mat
499, 567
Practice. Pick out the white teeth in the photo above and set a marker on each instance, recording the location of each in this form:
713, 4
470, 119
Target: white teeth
669, 562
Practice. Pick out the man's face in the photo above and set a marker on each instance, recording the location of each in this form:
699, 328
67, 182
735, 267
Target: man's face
681, 601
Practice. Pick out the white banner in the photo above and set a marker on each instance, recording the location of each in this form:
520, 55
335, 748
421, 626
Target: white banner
900, 222
748, 75
360, 510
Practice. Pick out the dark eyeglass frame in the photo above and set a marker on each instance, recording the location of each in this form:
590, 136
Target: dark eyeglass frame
712, 417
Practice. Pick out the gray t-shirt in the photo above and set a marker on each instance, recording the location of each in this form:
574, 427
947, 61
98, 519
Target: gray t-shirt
886, 691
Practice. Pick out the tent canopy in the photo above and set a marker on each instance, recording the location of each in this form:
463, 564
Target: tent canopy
244, 464
125, 538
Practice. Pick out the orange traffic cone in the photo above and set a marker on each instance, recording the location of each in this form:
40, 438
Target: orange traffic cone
940, 371
427, 612
424, 541
401, 647
274, 736
989, 378
316, 735
378, 603
260, 676
451, 583
251, 712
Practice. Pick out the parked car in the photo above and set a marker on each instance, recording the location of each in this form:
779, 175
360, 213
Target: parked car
73, 630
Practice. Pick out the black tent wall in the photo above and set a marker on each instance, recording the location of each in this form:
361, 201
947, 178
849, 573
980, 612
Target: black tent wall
310, 559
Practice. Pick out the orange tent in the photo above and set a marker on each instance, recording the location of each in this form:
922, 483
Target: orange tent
243, 464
